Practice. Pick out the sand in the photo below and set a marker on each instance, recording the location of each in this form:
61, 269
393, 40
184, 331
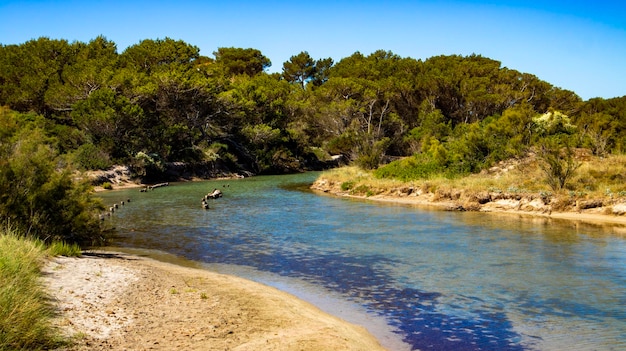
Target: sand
115, 301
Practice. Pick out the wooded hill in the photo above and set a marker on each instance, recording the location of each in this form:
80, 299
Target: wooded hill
160, 101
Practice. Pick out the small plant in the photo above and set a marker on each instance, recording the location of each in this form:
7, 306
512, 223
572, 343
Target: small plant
363, 189
545, 196
107, 186
204, 296
345, 186
514, 190
494, 190
173, 291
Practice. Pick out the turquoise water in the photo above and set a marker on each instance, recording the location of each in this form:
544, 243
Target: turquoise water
442, 280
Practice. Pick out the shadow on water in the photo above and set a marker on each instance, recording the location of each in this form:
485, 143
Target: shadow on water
446, 281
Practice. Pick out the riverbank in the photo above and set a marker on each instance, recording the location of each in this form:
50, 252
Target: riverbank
118, 301
120, 177
593, 211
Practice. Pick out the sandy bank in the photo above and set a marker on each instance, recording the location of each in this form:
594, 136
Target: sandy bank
124, 302
613, 215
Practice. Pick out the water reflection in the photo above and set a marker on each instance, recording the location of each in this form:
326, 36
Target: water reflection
462, 281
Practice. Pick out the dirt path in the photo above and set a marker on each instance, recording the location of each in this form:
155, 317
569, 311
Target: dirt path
111, 301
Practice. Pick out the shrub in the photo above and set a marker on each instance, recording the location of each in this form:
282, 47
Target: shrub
345, 186
43, 201
558, 165
411, 168
90, 157
107, 186
363, 190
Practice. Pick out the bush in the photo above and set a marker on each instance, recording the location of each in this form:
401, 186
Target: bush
89, 157
557, 164
107, 186
43, 201
411, 168
345, 186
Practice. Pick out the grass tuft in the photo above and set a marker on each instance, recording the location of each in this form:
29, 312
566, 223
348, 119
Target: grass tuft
61, 248
25, 314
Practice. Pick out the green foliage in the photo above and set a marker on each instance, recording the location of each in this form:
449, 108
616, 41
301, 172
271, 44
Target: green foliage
155, 55
299, 69
90, 157
342, 144
147, 165
302, 68
557, 163
107, 186
25, 314
363, 190
411, 168
41, 199
161, 97
242, 61
345, 186
371, 154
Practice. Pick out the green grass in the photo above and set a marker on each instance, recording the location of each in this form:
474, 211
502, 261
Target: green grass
25, 314
61, 248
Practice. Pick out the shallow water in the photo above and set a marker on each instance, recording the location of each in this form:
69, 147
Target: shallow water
443, 280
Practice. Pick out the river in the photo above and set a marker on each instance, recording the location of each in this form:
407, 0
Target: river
438, 280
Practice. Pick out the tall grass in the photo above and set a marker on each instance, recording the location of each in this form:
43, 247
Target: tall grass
25, 314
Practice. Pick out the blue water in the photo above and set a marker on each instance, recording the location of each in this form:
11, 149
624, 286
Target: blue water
443, 280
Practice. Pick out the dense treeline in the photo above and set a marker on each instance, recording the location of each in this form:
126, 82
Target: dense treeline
161, 101
87, 106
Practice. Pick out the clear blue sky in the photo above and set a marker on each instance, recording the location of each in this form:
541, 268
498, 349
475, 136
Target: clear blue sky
575, 45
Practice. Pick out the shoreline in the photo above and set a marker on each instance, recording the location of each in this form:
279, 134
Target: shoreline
111, 300
530, 209
507, 207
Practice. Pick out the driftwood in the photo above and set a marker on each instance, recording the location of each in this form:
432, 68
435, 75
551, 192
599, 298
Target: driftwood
152, 187
216, 193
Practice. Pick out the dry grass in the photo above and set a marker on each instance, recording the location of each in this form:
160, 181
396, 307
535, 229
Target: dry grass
596, 178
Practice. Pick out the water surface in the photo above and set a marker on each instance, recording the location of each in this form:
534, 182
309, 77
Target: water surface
443, 280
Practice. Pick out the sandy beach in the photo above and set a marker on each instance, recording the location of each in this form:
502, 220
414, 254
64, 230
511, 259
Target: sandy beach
115, 301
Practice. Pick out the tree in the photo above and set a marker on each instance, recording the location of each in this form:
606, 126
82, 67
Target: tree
322, 71
238, 61
152, 55
299, 69
30, 71
111, 122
